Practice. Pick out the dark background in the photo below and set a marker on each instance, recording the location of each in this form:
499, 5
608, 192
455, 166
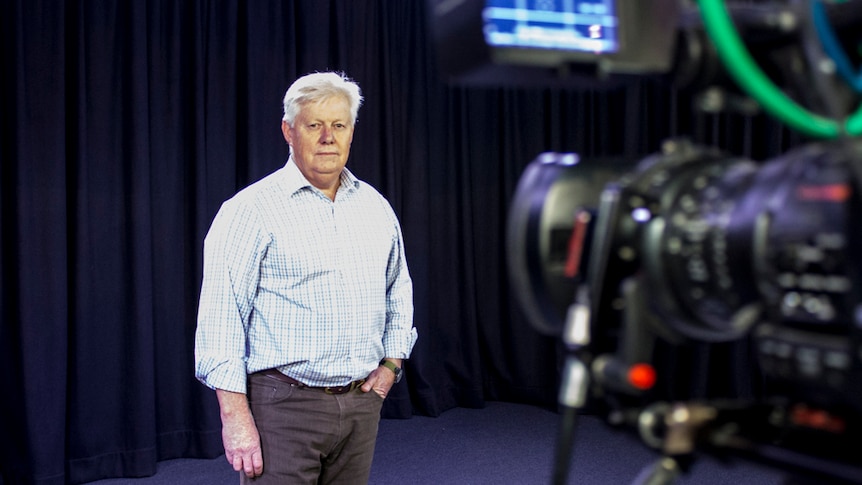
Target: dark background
124, 125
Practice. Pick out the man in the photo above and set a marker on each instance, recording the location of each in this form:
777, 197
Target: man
306, 307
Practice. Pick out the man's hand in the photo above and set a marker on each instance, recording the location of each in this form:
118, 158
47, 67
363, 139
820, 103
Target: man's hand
381, 380
239, 434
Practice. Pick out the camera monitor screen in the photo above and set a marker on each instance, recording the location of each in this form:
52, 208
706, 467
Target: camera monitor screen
580, 25
514, 41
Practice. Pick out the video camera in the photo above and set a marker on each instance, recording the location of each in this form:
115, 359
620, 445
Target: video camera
694, 251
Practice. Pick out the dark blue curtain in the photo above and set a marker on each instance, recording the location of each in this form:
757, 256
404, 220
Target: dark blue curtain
124, 125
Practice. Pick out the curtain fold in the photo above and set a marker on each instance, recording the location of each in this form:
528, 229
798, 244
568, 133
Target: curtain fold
126, 124
35, 239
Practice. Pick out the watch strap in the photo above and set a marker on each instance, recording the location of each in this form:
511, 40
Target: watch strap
394, 368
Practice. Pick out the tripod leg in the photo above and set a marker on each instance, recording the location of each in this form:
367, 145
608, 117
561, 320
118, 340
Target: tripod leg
565, 445
573, 392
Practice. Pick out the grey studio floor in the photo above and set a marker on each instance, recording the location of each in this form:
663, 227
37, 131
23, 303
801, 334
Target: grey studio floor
502, 443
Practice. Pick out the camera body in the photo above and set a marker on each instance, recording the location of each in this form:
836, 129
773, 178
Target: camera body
708, 268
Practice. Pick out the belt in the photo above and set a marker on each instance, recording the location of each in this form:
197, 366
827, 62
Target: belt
329, 390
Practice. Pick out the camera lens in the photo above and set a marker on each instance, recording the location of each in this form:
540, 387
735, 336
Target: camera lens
731, 243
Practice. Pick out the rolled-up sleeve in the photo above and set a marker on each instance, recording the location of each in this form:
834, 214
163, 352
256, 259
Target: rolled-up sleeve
233, 249
400, 335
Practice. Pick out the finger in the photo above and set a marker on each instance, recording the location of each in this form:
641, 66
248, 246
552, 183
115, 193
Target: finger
257, 461
371, 382
237, 462
249, 467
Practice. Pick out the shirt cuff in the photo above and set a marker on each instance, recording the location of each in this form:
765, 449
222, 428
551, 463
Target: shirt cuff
228, 376
398, 344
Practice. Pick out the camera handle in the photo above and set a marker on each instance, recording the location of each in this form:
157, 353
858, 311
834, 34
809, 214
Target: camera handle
574, 385
608, 370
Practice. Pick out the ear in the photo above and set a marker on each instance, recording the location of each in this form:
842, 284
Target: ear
286, 131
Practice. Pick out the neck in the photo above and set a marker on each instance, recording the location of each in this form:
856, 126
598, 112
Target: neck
330, 192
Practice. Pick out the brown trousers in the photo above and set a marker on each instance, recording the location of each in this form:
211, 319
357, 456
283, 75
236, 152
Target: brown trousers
310, 437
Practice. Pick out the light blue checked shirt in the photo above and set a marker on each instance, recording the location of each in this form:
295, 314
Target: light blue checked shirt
294, 281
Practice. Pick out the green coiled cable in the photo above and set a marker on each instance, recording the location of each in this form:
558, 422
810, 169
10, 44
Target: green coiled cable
743, 68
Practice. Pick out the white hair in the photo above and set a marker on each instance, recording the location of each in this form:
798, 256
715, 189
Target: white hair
318, 86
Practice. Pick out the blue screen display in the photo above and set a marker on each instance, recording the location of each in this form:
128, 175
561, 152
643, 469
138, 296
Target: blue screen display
589, 26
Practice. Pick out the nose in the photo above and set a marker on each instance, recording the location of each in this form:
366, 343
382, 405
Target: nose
326, 135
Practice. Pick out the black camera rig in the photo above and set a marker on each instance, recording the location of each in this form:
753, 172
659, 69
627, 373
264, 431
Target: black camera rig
694, 253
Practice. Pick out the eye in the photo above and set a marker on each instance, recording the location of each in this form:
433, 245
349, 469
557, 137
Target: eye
340, 126
314, 126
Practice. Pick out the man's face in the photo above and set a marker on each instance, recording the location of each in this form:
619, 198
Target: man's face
320, 137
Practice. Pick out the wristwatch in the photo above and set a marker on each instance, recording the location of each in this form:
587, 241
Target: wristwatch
394, 368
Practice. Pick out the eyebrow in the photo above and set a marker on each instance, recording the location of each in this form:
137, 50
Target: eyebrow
320, 120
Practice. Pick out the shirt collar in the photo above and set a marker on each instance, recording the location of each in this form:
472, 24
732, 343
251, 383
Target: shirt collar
296, 181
